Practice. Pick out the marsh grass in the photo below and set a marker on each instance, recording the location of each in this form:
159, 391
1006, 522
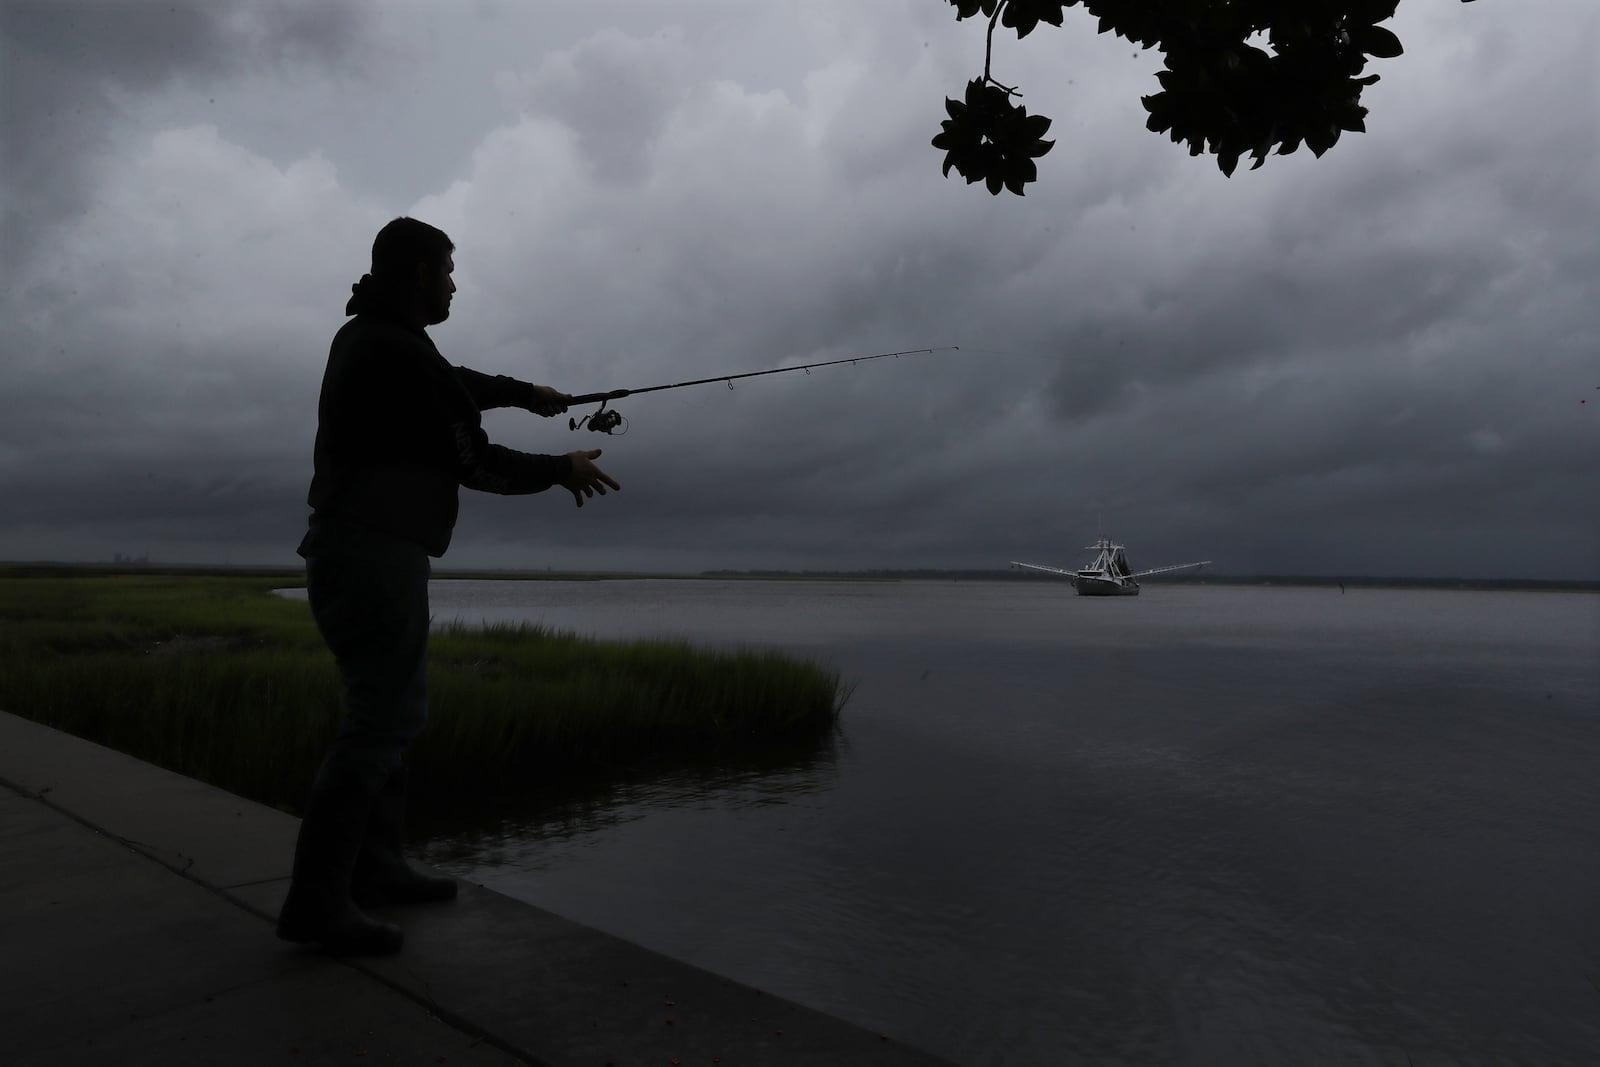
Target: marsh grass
215, 677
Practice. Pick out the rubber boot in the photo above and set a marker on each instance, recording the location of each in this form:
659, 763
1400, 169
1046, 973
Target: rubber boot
382, 877
319, 907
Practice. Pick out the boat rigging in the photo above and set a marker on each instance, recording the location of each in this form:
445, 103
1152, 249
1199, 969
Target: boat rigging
1109, 573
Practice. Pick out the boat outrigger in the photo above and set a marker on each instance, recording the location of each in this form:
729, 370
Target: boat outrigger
1109, 574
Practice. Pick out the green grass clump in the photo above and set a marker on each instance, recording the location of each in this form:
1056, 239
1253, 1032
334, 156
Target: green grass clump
217, 678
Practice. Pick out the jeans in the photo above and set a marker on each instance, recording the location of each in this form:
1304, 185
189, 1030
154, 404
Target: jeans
369, 596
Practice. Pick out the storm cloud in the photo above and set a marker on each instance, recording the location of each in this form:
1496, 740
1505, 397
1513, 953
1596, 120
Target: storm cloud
1379, 362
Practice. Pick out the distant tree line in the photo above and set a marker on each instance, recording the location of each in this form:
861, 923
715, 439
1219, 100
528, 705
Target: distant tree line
1202, 578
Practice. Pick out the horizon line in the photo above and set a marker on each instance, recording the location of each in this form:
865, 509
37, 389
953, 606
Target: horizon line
988, 572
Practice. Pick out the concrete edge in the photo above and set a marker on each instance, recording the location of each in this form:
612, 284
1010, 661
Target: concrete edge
530, 983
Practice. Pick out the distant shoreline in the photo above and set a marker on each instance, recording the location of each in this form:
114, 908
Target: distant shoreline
295, 575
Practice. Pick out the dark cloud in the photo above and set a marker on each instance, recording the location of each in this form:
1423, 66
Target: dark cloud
615, 91
1366, 363
68, 68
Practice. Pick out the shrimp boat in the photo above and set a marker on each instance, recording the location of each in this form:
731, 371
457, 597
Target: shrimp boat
1109, 573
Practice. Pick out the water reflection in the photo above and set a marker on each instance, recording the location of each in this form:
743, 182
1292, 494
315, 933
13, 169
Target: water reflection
517, 829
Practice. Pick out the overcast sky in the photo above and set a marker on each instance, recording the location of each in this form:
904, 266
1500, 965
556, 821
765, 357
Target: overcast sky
1383, 361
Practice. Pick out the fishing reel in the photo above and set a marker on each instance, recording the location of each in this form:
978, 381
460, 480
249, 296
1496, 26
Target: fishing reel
605, 420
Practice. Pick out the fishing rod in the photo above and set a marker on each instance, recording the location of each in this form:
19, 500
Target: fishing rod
609, 420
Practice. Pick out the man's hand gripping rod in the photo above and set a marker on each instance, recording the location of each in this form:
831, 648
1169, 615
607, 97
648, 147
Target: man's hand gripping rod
607, 420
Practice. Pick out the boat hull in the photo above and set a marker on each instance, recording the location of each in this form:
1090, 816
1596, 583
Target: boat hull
1106, 587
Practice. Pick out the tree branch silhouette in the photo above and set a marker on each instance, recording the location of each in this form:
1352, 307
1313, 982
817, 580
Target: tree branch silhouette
1221, 91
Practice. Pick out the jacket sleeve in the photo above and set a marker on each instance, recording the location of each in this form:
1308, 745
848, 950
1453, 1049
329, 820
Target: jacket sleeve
492, 468
495, 390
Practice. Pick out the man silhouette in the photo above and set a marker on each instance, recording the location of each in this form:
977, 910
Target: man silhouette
398, 433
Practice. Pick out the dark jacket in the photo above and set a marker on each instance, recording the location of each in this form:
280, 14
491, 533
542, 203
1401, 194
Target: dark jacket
398, 430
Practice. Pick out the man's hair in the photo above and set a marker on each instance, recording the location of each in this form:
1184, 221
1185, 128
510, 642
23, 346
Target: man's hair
404, 243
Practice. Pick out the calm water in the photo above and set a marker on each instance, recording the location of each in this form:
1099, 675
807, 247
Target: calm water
1207, 825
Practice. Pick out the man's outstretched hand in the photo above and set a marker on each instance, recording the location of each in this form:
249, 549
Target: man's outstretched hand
547, 401
586, 479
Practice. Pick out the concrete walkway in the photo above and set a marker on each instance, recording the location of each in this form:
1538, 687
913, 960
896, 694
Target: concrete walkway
135, 928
